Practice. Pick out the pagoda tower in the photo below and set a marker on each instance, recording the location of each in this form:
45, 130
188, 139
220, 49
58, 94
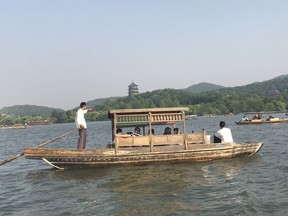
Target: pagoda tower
133, 89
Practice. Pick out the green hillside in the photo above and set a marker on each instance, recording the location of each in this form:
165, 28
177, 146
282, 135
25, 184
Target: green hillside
271, 95
100, 101
197, 88
264, 89
28, 110
203, 87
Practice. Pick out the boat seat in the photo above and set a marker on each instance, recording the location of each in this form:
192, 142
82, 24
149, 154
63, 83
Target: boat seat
158, 140
173, 139
132, 141
196, 138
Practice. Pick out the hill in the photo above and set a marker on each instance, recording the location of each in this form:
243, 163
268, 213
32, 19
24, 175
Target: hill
275, 86
28, 110
270, 95
203, 87
100, 101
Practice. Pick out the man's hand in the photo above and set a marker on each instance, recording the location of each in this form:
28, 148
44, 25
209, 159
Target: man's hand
81, 126
90, 109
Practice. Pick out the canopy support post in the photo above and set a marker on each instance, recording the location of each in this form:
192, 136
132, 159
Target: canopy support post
150, 132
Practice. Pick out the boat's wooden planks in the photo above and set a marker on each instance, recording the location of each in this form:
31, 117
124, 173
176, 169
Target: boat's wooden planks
136, 155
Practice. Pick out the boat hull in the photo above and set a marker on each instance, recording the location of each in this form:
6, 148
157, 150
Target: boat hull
125, 156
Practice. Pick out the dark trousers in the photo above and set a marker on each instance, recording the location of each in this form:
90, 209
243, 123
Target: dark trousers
217, 139
82, 139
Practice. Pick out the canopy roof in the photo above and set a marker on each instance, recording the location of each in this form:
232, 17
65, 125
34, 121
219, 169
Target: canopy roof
142, 117
147, 110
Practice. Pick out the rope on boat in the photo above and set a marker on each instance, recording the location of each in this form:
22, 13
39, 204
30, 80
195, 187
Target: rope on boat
51, 164
38, 146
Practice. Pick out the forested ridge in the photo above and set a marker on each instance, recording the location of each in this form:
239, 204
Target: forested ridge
271, 95
21, 114
28, 110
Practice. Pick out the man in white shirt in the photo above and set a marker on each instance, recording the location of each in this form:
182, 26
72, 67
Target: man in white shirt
224, 135
81, 125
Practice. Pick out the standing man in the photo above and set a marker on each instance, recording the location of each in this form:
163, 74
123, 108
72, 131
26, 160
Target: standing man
81, 125
224, 135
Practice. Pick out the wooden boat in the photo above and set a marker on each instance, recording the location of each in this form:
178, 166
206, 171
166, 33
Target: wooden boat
14, 127
262, 121
42, 122
128, 149
191, 117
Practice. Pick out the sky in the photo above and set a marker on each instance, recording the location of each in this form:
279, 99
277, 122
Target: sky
59, 53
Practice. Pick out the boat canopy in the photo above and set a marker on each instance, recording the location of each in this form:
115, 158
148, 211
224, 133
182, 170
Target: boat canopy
145, 117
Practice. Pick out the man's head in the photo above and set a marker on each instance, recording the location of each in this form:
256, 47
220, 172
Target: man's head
222, 124
152, 132
137, 130
176, 130
83, 105
118, 131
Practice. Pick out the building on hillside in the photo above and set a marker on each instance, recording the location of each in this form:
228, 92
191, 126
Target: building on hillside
274, 93
133, 89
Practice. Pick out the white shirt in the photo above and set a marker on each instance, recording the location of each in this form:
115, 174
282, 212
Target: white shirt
79, 118
225, 135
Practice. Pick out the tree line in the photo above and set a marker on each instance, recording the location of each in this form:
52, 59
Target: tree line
12, 120
254, 97
208, 103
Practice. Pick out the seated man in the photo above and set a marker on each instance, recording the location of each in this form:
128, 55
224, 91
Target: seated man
176, 131
152, 132
167, 131
270, 117
245, 118
137, 132
224, 135
119, 131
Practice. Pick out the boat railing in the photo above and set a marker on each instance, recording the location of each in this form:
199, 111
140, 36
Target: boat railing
167, 117
159, 140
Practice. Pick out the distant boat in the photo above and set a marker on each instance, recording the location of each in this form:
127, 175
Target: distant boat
145, 149
191, 117
43, 122
262, 121
14, 127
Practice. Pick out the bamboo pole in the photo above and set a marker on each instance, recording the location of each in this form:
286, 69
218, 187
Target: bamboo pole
38, 146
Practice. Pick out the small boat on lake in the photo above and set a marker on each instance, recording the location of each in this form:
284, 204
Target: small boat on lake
14, 127
145, 149
262, 121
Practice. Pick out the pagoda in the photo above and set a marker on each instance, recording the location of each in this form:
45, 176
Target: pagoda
133, 89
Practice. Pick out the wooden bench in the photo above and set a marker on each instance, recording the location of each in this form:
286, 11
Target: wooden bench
197, 138
132, 141
173, 139
158, 140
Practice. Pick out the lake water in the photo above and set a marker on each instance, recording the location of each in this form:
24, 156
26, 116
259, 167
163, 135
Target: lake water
245, 186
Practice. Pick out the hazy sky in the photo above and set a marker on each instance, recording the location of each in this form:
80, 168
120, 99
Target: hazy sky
60, 52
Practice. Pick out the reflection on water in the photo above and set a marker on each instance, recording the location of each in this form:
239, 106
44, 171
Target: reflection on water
243, 186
